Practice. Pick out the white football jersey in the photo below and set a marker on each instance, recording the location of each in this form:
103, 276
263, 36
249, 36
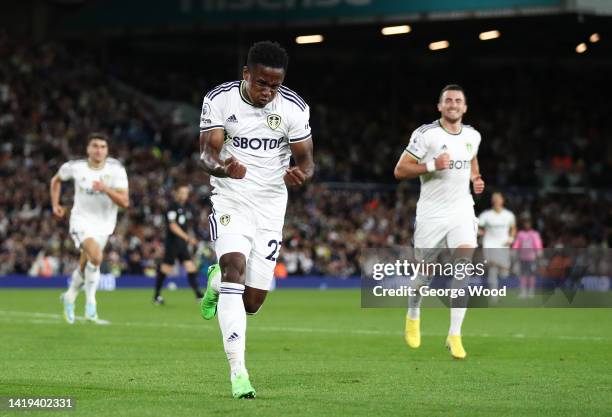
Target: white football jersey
447, 192
497, 227
258, 138
93, 211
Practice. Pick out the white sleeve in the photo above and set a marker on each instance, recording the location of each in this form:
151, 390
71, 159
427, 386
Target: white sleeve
212, 113
477, 144
299, 126
482, 219
66, 171
417, 147
120, 180
512, 219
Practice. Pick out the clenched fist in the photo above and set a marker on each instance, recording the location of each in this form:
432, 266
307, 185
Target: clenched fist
294, 177
234, 169
59, 211
442, 161
478, 184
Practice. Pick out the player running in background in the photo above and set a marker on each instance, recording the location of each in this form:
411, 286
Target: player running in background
100, 187
529, 244
498, 227
249, 131
177, 244
443, 155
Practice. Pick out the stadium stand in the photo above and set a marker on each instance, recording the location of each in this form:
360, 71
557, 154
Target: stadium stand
552, 164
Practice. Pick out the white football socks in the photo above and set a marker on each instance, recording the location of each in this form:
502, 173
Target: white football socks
457, 314
75, 285
232, 320
414, 302
414, 306
216, 281
493, 277
92, 277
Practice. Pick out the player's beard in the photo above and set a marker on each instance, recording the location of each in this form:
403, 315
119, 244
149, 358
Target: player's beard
453, 119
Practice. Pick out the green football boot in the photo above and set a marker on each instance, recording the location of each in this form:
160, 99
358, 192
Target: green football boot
208, 305
241, 386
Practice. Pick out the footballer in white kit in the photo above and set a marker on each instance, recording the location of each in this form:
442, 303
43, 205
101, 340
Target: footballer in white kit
443, 154
498, 229
445, 211
100, 187
250, 129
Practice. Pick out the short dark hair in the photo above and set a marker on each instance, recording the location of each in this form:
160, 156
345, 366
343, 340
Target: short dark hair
268, 54
452, 87
179, 184
99, 136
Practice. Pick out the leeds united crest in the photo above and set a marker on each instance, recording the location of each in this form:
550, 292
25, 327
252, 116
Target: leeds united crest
225, 219
274, 121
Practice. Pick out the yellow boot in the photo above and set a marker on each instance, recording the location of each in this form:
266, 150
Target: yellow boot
453, 343
413, 332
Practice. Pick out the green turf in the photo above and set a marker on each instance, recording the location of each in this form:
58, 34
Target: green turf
309, 353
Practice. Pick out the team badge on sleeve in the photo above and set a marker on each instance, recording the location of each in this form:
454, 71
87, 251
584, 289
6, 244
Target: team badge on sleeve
225, 219
274, 121
205, 109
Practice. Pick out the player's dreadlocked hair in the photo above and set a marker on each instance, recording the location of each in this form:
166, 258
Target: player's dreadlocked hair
268, 54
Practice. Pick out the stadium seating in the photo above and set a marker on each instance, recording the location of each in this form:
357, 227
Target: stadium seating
51, 96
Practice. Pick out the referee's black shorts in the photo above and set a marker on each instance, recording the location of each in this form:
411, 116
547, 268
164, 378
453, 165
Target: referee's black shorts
176, 250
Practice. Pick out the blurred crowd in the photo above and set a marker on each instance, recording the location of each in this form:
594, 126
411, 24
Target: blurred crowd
548, 151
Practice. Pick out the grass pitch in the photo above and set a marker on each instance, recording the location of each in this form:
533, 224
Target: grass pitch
309, 353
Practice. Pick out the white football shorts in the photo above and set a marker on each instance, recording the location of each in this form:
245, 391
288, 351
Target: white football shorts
457, 230
498, 256
79, 236
255, 230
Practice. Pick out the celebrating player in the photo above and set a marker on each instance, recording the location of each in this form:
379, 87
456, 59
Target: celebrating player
443, 155
498, 227
100, 186
177, 244
249, 131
